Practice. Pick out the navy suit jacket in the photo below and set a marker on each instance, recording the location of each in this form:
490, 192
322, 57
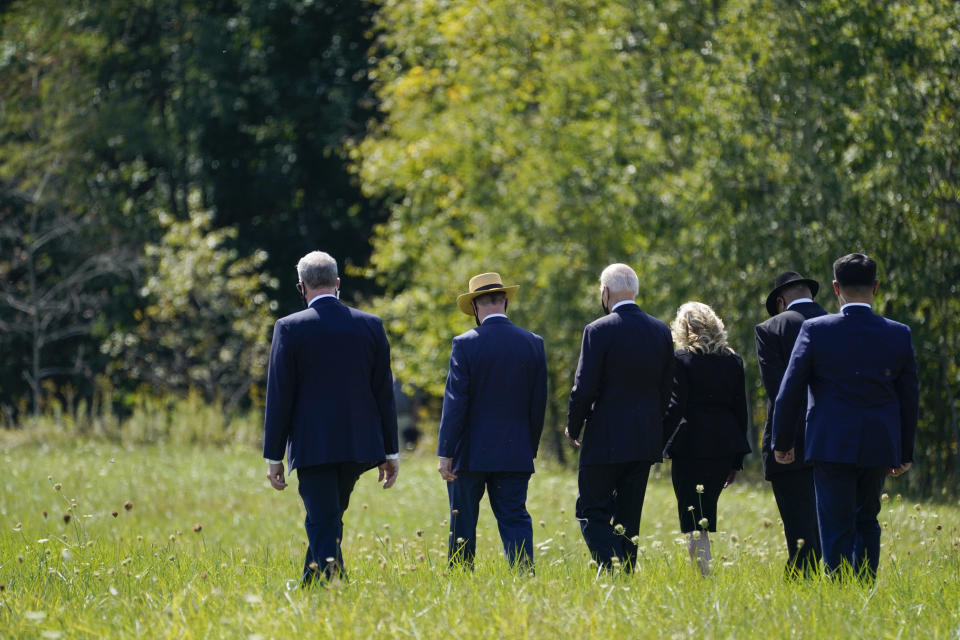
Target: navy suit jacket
863, 400
775, 338
495, 399
329, 388
621, 388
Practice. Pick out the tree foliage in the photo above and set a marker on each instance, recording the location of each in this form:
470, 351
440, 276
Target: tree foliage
205, 316
709, 145
124, 108
248, 102
63, 255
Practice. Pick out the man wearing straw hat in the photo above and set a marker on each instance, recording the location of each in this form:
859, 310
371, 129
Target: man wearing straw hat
493, 410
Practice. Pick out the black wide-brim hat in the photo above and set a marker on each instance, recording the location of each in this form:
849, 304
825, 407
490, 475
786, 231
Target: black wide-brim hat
784, 280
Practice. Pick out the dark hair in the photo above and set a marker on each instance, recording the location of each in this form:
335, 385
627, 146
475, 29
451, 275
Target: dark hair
495, 297
855, 270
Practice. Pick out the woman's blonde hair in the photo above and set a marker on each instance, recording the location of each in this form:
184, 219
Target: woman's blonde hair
699, 329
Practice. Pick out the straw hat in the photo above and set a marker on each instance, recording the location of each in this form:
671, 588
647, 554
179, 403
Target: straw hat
480, 285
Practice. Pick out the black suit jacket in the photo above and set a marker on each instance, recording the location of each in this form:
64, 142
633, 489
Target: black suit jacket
329, 388
775, 339
622, 387
707, 416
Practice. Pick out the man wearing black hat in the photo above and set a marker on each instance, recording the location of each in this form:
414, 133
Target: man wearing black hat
789, 304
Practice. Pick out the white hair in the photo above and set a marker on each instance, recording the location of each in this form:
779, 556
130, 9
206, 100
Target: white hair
317, 269
620, 278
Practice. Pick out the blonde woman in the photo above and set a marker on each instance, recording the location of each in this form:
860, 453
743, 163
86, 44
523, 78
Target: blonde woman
705, 423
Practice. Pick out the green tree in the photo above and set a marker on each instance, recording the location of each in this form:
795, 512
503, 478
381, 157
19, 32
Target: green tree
711, 146
250, 103
531, 139
205, 317
61, 256
140, 104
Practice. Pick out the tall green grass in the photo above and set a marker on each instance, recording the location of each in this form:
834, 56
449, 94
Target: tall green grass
147, 419
207, 549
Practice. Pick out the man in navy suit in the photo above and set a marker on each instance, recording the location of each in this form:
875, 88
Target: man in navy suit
789, 304
861, 417
330, 405
621, 390
493, 410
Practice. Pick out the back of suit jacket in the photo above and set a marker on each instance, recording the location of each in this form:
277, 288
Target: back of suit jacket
330, 388
707, 416
622, 387
495, 398
775, 338
862, 375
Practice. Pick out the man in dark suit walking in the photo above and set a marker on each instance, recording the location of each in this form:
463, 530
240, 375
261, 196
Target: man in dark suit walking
862, 418
493, 410
789, 304
330, 405
621, 390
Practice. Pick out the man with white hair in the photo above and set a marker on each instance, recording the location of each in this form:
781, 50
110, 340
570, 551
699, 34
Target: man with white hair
330, 408
621, 390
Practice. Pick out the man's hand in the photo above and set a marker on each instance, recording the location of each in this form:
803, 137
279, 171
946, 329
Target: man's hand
389, 469
573, 441
902, 469
445, 467
784, 457
731, 478
275, 476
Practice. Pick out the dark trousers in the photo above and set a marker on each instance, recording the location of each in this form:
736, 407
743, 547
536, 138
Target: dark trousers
848, 501
797, 502
325, 490
610, 497
508, 500
692, 506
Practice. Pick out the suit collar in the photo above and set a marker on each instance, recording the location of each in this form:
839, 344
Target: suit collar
856, 310
322, 295
495, 320
630, 308
323, 301
800, 301
804, 305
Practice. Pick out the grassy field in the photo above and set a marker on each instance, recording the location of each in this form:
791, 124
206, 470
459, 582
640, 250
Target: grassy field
156, 542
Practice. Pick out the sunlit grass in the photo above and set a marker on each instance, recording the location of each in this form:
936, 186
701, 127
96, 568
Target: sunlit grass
101, 541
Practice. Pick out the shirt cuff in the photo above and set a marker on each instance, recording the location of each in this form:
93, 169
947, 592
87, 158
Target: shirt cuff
269, 461
393, 456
